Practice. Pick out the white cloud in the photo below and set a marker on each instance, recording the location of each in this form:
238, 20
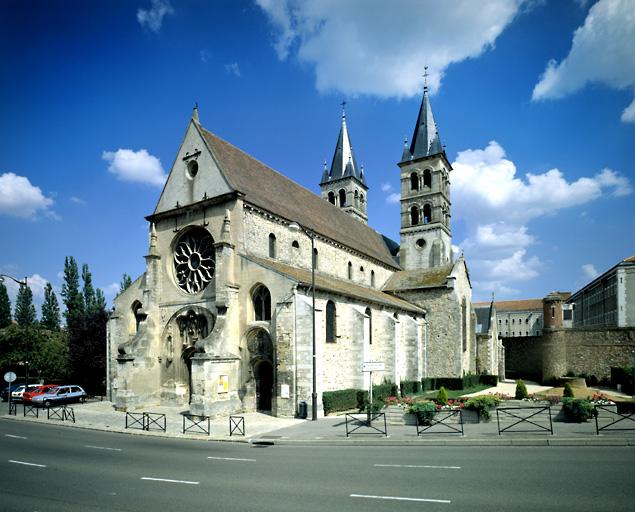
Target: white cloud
135, 166
386, 187
35, 282
501, 235
364, 46
393, 198
77, 200
601, 51
589, 271
152, 18
19, 198
514, 268
621, 185
233, 69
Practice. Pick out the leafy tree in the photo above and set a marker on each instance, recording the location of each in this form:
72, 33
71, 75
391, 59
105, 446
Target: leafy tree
73, 299
50, 310
5, 307
100, 300
24, 308
126, 281
88, 291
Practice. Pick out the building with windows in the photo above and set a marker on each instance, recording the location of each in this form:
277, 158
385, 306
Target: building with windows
516, 318
222, 320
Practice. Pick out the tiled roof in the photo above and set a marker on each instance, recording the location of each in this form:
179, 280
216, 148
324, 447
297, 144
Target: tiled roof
422, 278
334, 285
518, 305
270, 190
630, 259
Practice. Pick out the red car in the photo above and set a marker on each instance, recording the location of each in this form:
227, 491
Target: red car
40, 390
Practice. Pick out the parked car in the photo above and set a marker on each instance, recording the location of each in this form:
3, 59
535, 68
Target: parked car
60, 395
16, 396
39, 390
10, 389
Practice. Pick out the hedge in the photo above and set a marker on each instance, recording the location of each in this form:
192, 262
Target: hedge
341, 400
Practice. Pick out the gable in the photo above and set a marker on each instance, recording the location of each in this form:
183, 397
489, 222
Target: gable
183, 186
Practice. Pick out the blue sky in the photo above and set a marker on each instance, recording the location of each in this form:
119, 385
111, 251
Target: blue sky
534, 101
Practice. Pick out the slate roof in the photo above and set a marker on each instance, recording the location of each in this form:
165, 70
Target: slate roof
331, 284
270, 190
425, 139
514, 305
344, 164
435, 277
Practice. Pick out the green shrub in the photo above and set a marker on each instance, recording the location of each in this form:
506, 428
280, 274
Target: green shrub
424, 411
568, 391
409, 387
577, 410
490, 380
482, 404
341, 400
442, 396
521, 390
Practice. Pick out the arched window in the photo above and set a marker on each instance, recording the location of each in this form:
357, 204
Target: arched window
372, 278
361, 199
356, 198
414, 181
272, 245
331, 322
295, 244
342, 197
427, 178
414, 216
331, 198
369, 314
262, 303
427, 214
315, 259
139, 314
350, 270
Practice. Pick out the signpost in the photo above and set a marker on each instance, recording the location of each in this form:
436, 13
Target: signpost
370, 367
9, 377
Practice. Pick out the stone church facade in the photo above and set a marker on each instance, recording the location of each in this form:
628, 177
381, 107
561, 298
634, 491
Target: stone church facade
222, 319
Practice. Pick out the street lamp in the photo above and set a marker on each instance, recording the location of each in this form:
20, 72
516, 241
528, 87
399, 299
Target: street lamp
295, 227
26, 362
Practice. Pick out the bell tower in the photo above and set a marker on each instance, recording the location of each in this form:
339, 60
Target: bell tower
425, 235
344, 185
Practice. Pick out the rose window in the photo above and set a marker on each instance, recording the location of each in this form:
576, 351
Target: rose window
194, 260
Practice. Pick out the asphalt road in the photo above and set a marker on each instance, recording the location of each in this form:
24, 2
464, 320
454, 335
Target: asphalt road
50, 468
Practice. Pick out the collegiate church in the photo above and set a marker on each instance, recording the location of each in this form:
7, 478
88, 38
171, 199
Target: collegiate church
223, 319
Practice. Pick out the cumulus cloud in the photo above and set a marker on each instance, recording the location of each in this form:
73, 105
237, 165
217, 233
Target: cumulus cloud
233, 69
363, 46
77, 200
386, 187
152, 18
36, 283
393, 198
19, 198
135, 166
601, 52
589, 271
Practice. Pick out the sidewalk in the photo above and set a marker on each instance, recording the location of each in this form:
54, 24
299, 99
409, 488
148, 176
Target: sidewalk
266, 429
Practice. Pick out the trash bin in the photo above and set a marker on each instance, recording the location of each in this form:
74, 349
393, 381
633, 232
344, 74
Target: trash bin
303, 410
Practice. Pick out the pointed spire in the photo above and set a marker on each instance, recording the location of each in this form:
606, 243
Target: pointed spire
406, 155
195, 114
153, 240
425, 139
325, 173
344, 163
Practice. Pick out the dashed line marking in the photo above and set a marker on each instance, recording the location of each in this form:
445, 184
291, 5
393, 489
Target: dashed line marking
231, 458
102, 448
398, 498
14, 437
169, 480
414, 466
27, 463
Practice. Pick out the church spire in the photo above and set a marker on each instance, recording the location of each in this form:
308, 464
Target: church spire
425, 139
344, 163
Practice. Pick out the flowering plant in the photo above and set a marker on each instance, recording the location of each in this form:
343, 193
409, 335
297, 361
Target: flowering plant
600, 399
405, 401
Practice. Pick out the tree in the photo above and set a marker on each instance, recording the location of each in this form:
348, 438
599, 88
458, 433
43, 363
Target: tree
73, 299
24, 308
5, 307
50, 310
126, 281
100, 300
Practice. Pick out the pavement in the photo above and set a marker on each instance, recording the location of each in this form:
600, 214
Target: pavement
262, 428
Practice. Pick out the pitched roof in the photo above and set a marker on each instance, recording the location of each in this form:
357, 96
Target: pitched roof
270, 190
435, 277
344, 164
514, 305
425, 139
331, 284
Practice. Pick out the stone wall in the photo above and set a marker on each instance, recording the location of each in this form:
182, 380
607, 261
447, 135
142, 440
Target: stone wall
523, 357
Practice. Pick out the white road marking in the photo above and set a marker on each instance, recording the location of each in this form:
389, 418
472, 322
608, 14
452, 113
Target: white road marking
398, 498
414, 466
27, 463
168, 480
231, 458
15, 437
102, 448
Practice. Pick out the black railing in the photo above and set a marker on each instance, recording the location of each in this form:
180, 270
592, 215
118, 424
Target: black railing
365, 421
196, 424
62, 413
441, 419
618, 418
527, 416
236, 425
13, 409
31, 410
146, 421
136, 420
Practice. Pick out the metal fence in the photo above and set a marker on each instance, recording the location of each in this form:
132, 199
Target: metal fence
146, 421
31, 410
62, 413
615, 419
445, 420
196, 424
526, 417
13, 409
362, 424
236, 425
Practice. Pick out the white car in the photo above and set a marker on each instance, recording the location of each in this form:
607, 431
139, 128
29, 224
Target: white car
16, 396
60, 395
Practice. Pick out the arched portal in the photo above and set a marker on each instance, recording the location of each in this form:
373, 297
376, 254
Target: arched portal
262, 363
263, 373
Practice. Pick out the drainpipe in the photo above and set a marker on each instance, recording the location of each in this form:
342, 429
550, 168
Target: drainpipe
295, 348
425, 348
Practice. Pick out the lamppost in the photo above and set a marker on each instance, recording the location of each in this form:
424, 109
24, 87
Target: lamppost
26, 361
295, 227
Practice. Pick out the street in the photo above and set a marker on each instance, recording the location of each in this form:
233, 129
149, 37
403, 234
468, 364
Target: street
50, 468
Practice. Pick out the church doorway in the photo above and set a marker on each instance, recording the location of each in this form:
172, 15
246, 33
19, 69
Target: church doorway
263, 373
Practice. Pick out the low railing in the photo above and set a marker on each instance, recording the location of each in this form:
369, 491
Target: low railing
365, 420
62, 413
613, 414
196, 424
31, 410
441, 419
13, 409
236, 425
146, 420
525, 416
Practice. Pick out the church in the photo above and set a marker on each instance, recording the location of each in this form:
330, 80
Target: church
259, 294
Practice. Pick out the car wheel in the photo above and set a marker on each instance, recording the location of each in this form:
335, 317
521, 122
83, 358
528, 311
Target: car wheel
82, 399
47, 403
